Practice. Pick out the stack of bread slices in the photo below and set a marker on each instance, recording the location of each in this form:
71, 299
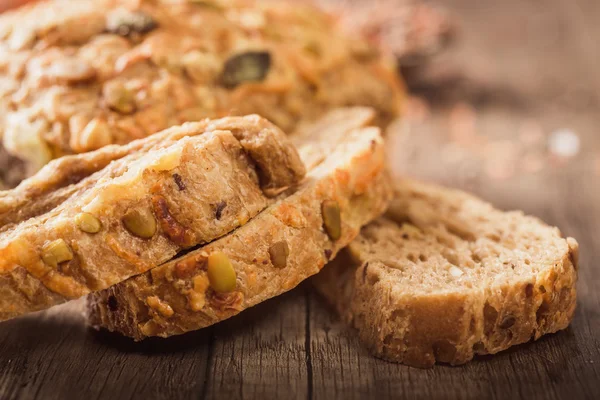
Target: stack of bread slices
170, 232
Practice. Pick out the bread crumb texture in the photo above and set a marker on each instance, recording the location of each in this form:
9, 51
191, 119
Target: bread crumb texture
445, 276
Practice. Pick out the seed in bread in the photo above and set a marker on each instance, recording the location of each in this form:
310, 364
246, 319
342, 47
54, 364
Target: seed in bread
445, 276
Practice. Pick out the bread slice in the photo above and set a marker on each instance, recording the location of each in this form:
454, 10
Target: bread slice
271, 254
186, 187
81, 75
69, 176
445, 276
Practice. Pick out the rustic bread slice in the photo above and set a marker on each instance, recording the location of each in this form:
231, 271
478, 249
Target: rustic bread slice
69, 176
274, 252
189, 188
445, 276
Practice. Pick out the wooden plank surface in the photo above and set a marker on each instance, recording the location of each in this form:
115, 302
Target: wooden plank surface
518, 63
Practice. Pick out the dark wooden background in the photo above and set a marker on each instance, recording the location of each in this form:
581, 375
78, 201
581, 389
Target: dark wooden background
516, 61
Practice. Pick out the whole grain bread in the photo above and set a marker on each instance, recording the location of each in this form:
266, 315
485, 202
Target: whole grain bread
285, 244
182, 188
444, 276
79, 75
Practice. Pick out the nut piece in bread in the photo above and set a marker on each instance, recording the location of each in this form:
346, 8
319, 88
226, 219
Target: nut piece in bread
159, 196
271, 254
84, 74
444, 276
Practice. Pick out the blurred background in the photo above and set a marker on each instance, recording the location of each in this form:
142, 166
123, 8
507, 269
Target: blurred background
504, 96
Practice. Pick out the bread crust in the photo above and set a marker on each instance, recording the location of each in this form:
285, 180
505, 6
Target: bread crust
399, 322
99, 72
191, 185
176, 298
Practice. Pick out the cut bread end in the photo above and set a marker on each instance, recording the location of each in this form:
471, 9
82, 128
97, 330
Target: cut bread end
444, 276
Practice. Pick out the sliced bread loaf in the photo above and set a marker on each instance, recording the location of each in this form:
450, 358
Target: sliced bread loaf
445, 276
180, 189
285, 244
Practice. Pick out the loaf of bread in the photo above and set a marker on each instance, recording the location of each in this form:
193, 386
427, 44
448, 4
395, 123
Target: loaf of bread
170, 192
346, 187
79, 75
445, 276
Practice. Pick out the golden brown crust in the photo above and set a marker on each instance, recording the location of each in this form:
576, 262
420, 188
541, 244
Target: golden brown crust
156, 198
353, 175
77, 76
424, 284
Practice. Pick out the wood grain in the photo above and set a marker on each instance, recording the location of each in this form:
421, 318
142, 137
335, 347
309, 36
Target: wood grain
515, 61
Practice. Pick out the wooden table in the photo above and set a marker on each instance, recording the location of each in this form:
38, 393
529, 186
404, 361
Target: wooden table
518, 63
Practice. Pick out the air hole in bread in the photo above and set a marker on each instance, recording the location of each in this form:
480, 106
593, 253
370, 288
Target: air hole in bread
422, 258
113, 305
542, 311
444, 351
529, 290
507, 322
392, 342
479, 348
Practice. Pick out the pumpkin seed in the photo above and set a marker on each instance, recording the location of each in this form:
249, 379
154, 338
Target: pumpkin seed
140, 223
56, 252
221, 275
251, 66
